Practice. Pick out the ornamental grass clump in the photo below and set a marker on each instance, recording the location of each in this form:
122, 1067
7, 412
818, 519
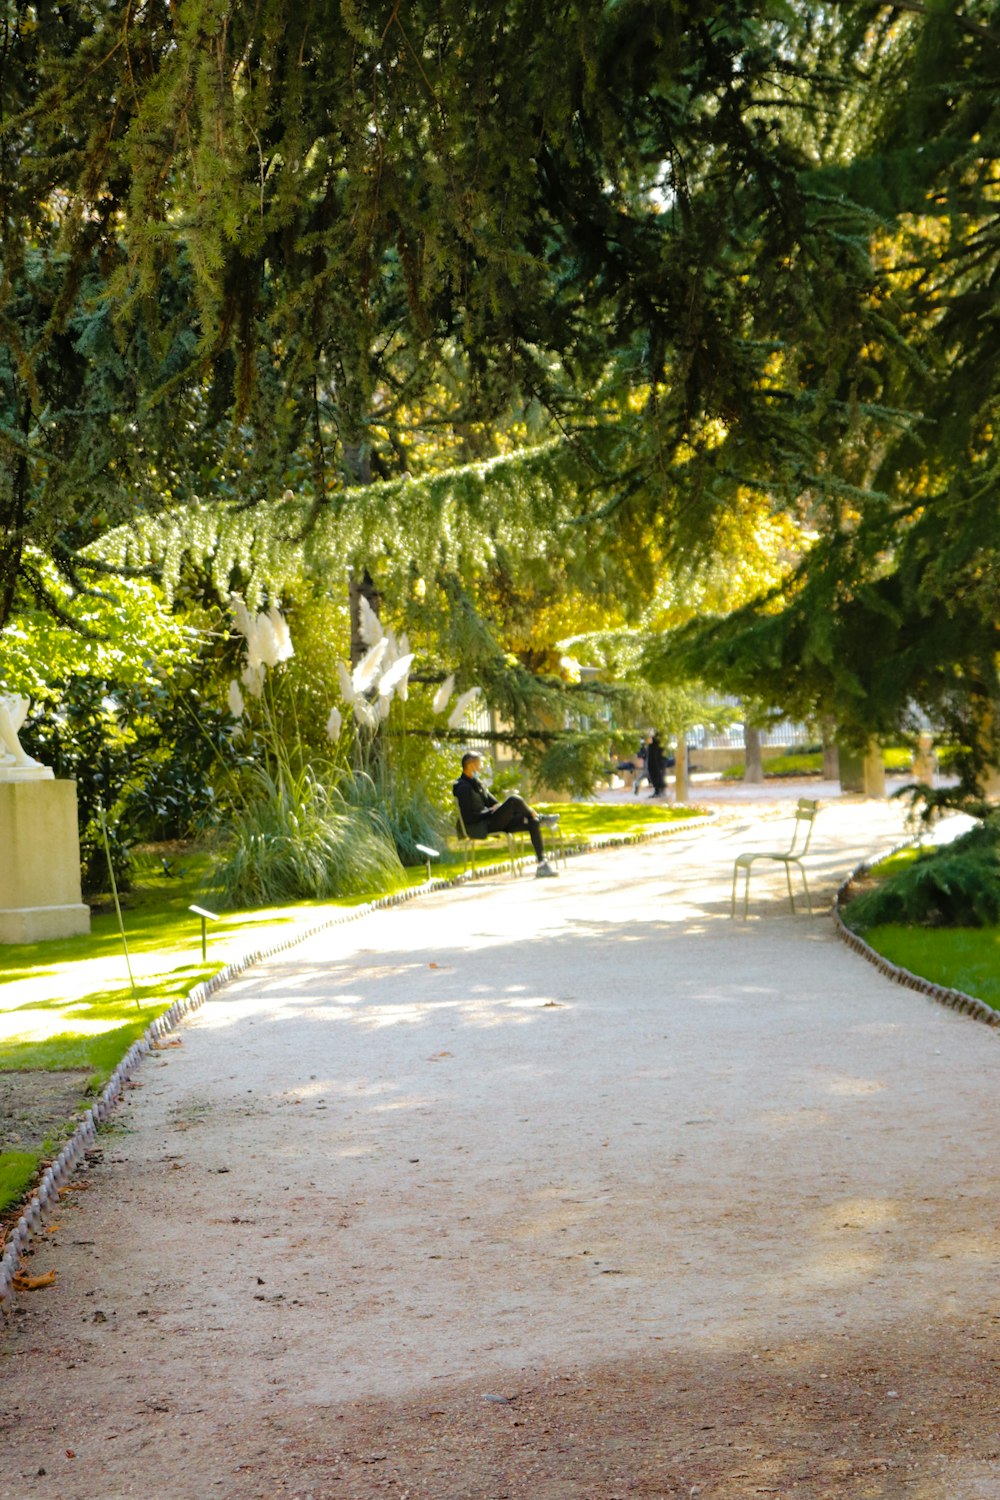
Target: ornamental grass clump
954, 886
292, 835
297, 839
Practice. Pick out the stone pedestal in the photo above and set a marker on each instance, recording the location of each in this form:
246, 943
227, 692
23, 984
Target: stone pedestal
39, 862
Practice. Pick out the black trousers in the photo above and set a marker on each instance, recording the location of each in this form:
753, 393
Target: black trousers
513, 816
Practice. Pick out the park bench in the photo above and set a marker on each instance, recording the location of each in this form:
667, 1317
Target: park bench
805, 817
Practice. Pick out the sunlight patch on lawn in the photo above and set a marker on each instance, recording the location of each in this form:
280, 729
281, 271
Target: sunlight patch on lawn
40, 1025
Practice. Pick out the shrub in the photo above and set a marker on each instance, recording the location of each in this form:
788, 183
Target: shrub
955, 886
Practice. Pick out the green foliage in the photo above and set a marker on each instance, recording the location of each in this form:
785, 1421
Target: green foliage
957, 885
125, 634
298, 839
780, 765
403, 808
895, 759
150, 753
573, 763
605, 217
450, 524
723, 248
404, 781
177, 791
115, 707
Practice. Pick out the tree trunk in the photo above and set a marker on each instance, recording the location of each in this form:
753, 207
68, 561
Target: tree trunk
923, 759
680, 767
831, 755
753, 769
874, 771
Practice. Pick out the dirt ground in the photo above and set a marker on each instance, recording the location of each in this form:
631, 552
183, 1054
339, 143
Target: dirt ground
34, 1106
531, 1191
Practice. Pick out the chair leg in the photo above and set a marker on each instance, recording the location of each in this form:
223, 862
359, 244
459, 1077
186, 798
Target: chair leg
512, 855
732, 897
788, 878
808, 896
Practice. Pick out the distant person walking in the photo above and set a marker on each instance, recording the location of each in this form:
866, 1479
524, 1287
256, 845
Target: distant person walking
656, 765
641, 766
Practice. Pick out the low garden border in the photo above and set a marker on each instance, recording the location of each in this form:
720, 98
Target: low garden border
57, 1175
958, 1000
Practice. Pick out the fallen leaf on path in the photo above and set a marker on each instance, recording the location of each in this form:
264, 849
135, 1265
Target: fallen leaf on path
435, 1056
34, 1283
173, 1041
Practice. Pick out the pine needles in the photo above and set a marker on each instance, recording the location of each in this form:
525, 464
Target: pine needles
956, 886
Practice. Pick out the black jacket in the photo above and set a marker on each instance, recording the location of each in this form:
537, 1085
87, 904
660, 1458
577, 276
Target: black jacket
656, 761
473, 801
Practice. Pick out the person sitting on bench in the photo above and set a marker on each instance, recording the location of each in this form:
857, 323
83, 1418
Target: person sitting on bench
483, 814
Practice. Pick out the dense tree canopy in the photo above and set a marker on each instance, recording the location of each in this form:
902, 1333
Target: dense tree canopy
893, 613
715, 247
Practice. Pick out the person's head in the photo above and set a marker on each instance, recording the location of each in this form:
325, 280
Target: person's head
470, 763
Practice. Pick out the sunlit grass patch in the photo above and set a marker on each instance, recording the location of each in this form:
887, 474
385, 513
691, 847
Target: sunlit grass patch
586, 820
963, 958
17, 1171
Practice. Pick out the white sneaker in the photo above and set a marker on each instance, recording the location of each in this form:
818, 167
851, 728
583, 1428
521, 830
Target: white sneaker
543, 869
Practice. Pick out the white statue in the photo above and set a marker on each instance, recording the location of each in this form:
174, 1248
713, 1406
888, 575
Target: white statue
15, 763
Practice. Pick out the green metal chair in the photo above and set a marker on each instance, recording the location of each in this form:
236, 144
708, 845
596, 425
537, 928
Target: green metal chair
467, 844
805, 817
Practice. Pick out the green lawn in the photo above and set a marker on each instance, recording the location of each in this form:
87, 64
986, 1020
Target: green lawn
963, 958
68, 1004
810, 763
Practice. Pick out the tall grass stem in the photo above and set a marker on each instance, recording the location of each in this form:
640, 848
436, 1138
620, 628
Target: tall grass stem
118, 905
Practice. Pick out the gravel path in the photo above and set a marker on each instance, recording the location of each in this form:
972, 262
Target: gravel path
544, 1190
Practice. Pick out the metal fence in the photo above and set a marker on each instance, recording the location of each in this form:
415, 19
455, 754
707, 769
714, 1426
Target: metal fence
784, 732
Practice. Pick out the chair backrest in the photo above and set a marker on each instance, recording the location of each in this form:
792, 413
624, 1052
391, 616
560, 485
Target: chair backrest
463, 832
805, 816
